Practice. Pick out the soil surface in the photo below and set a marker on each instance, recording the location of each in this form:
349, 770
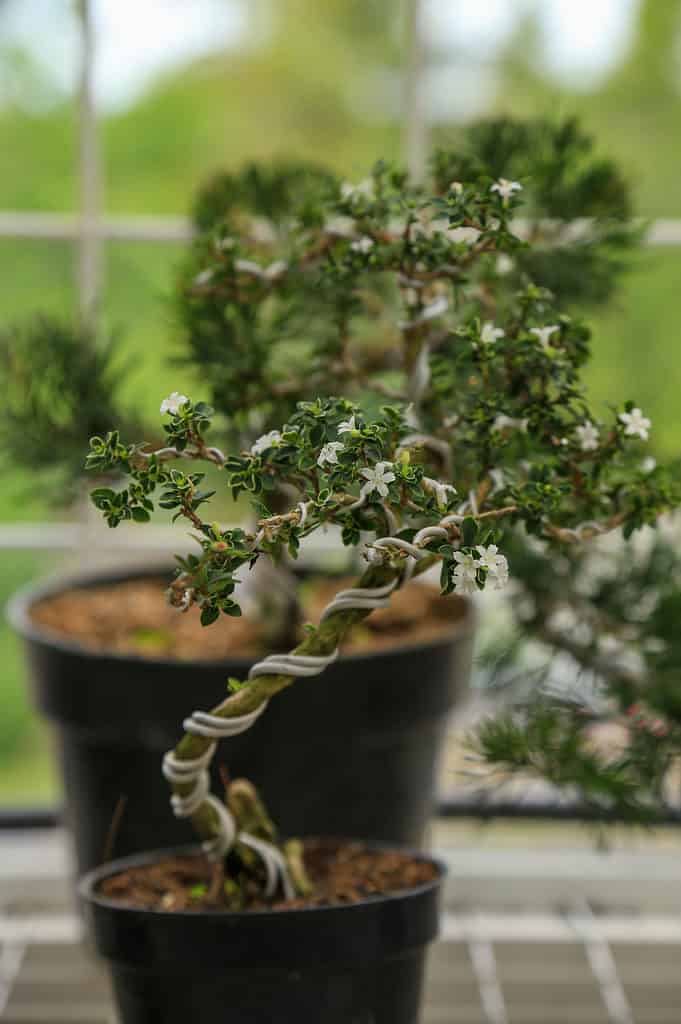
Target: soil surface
345, 873
133, 617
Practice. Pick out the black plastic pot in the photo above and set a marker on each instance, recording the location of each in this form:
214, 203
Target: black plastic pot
353, 964
352, 752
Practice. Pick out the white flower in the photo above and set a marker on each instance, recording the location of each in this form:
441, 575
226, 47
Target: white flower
173, 403
649, 464
490, 333
504, 264
263, 231
543, 334
347, 426
341, 226
463, 234
378, 478
429, 228
465, 574
204, 277
249, 267
635, 424
363, 244
266, 441
440, 225
467, 565
491, 559
588, 436
456, 187
496, 565
503, 422
363, 188
464, 584
506, 188
328, 453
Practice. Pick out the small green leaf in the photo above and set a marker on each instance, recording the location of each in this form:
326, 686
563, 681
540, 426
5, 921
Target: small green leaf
209, 614
469, 531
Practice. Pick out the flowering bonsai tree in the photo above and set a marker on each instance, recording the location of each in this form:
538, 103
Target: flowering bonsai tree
64, 384
383, 290
244, 331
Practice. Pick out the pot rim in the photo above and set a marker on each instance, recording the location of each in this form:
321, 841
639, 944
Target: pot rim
18, 614
86, 888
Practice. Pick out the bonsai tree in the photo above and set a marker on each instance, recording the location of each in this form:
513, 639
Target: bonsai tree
258, 196
64, 384
244, 333
487, 431
577, 208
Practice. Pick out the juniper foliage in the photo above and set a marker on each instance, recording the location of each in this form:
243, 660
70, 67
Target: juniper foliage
61, 383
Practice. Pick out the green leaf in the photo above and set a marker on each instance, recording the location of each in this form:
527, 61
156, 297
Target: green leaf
209, 614
469, 531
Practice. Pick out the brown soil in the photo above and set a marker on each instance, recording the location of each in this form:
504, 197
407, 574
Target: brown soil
344, 873
134, 618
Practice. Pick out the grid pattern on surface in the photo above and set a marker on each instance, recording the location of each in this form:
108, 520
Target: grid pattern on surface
553, 968
533, 935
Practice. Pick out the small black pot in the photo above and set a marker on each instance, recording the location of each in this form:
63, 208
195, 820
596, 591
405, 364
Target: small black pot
354, 964
354, 751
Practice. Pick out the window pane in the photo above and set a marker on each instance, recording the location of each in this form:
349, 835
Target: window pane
38, 66
636, 346
27, 775
138, 301
36, 276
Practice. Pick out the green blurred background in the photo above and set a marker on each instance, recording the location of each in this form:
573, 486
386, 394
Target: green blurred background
184, 89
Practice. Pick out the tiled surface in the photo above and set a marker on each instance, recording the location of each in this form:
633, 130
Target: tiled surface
472, 980
523, 963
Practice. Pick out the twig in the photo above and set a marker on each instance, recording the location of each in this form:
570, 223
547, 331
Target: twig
114, 827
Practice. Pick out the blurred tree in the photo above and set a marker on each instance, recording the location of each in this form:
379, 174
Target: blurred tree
634, 111
649, 75
61, 384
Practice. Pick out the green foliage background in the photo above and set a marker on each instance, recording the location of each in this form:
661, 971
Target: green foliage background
310, 87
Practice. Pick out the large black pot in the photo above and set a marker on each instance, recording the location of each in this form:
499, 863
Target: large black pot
353, 752
353, 964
